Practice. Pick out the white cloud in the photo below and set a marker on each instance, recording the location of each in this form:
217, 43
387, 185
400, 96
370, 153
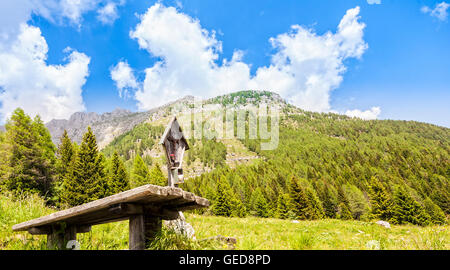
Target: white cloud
366, 115
124, 78
109, 13
26, 81
13, 13
73, 9
305, 68
371, 2
439, 11
53, 91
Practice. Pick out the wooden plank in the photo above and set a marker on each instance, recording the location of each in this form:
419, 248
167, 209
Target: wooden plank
119, 207
187, 197
48, 229
136, 237
202, 202
40, 230
126, 209
126, 196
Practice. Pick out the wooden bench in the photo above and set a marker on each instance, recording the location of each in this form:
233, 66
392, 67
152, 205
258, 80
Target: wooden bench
145, 207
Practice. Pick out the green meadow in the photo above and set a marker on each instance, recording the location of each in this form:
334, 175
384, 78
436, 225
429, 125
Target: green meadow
251, 233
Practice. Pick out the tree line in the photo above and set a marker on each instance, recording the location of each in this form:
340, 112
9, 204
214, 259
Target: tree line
69, 174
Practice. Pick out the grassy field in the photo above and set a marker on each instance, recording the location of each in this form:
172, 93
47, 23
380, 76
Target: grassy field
251, 232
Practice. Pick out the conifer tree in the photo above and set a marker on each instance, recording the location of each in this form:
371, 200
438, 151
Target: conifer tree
222, 203
344, 211
259, 203
436, 214
330, 205
86, 180
4, 158
102, 188
118, 177
29, 163
315, 209
408, 210
299, 199
284, 206
140, 175
157, 177
238, 208
344, 205
65, 155
380, 201
44, 140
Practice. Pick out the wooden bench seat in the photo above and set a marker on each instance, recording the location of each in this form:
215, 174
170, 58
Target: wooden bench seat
144, 206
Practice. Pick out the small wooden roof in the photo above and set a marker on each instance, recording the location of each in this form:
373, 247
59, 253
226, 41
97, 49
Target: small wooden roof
164, 202
174, 129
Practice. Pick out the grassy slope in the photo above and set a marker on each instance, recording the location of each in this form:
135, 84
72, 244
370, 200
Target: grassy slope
251, 233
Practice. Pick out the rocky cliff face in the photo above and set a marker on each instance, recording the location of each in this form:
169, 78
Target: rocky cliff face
105, 126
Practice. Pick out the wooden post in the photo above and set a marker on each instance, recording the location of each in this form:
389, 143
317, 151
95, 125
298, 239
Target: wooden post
143, 229
136, 240
59, 237
170, 182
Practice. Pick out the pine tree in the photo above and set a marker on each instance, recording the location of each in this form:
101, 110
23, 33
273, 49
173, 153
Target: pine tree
408, 210
330, 205
118, 177
299, 199
345, 212
140, 174
259, 203
86, 180
65, 155
435, 212
380, 201
44, 140
238, 209
344, 205
4, 158
283, 206
222, 203
102, 185
315, 209
30, 164
157, 177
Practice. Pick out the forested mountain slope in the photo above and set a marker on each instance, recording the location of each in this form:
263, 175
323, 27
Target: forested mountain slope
337, 160
338, 163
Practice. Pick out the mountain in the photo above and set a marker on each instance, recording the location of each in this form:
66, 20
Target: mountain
105, 126
334, 158
108, 126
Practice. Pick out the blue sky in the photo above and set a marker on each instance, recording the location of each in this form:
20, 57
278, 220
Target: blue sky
396, 64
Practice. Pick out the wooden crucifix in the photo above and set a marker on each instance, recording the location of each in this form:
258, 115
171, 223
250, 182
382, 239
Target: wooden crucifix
174, 144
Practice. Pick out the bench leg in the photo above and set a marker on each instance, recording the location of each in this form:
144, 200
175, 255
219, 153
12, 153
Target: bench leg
143, 229
58, 238
136, 237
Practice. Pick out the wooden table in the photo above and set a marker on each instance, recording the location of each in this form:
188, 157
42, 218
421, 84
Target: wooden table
144, 207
